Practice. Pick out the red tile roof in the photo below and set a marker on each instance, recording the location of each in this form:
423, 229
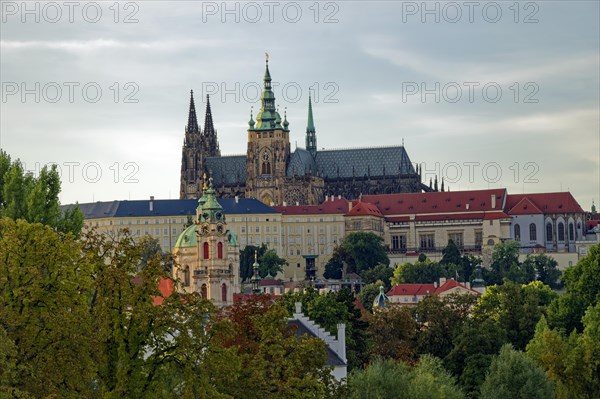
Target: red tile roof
426, 289
332, 206
523, 207
561, 202
165, 286
364, 209
438, 202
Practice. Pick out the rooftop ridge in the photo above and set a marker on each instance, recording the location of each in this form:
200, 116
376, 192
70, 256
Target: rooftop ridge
361, 148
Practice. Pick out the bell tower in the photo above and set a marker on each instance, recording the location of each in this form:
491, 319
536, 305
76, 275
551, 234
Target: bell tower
268, 149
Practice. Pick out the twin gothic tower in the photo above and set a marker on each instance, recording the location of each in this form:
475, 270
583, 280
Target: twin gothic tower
274, 174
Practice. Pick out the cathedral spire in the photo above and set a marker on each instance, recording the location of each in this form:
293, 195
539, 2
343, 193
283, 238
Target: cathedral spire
267, 117
192, 125
210, 134
311, 136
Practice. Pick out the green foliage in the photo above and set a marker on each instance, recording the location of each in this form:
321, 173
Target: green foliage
268, 260
439, 321
451, 254
386, 378
515, 308
514, 375
582, 284
362, 251
271, 263
275, 363
43, 311
35, 199
393, 332
421, 272
381, 273
571, 362
545, 268
334, 266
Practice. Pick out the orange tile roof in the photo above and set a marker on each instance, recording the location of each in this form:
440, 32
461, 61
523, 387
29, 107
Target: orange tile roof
333, 206
364, 209
560, 202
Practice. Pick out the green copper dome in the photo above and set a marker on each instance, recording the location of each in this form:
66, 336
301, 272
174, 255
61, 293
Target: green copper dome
381, 300
187, 238
210, 211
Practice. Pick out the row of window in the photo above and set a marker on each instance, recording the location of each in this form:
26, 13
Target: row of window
549, 232
427, 240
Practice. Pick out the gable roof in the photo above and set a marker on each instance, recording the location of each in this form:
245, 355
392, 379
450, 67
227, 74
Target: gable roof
364, 209
426, 289
465, 202
332, 358
523, 207
558, 202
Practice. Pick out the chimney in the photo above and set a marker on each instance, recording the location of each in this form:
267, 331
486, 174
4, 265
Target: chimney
237, 199
349, 206
151, 204
339, 196
467, 206
468, 285
442, 281
297, 203
493, 201
326, 198
341, 338
298, 306
284, 203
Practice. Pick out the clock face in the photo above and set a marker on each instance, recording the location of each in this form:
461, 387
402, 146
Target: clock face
205, 215
220, 228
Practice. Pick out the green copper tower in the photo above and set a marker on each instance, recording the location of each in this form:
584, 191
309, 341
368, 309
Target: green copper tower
311, 134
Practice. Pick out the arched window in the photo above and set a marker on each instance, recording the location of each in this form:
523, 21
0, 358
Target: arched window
549, 233
532, 232
186, 276
517, 232
266, 168
571, 232
490, 242
205, 251
204, 292
224, 292
561, 231
220, 250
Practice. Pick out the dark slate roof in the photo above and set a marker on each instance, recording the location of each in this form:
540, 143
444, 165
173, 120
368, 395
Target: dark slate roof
301, 162
175, 207
363, 161
227, 170
332, 358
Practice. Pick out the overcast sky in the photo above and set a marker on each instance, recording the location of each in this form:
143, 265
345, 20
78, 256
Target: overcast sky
487, 94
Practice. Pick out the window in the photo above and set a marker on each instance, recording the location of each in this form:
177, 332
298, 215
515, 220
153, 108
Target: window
356, 225
224, 292
399, 243
220, 250
478, 238
427, 241
549, 233
561, 231
204, 292
517, 232
457, 238
205, 251
532, 232
257, 229
571, 232
267, 229
186, 276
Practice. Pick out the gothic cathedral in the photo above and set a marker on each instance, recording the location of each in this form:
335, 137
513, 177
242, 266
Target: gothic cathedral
272, 173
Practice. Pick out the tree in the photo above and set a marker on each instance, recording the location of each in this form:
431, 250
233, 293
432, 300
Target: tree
35, 199
451, 254
150, 247
247, 260
44, 311
386, 378
274, 362
505, 264
545, 269
421, 272
513, 374
571, 362
392, 331
335, 264
473, 349
582, 285
362, 251
516, 308
271, 263
439, 321
381, 273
